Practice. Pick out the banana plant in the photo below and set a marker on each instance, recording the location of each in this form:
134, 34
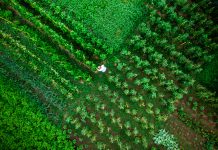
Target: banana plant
120, 66
127, 125
146, 86
125, 85
126, 92
138, 82
145, 80
133, 92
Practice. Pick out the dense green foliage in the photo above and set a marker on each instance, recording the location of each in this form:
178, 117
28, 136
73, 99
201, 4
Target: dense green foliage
22, 125
110, 20
153, 51
164, 138
209, 76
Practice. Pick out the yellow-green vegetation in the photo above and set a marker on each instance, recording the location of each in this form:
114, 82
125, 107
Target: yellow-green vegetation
22, 125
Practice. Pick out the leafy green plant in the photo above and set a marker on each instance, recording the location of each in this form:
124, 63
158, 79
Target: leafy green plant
26, 118
166, 139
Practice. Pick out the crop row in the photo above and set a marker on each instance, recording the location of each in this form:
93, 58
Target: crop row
72, 22
35, 66
72, 34
183, 39
46, 52
76, 54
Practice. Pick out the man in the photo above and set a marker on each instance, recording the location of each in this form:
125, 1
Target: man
102, 68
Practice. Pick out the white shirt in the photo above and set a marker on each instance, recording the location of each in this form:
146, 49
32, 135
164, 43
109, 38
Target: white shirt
102, 69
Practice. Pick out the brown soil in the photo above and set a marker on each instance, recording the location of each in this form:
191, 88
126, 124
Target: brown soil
203, 119
187, 138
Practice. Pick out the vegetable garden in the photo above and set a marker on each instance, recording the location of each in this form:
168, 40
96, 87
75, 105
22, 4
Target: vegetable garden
150, 96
